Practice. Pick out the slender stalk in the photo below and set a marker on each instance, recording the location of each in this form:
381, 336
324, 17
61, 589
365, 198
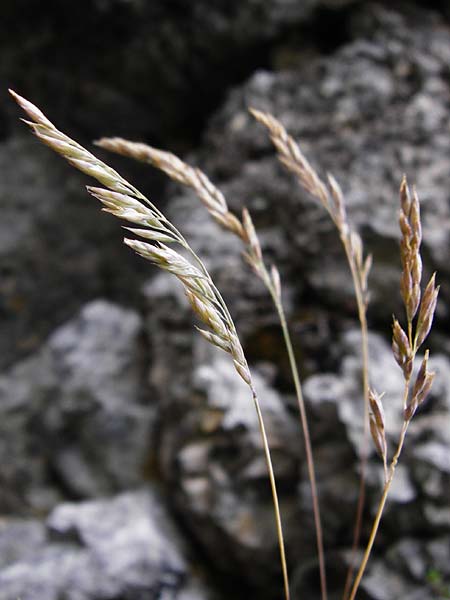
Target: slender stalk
379, 513
365, 442
275, 500
330, 195
305, 428
274, 495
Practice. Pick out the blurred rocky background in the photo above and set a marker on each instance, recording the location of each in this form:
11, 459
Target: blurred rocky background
130, 460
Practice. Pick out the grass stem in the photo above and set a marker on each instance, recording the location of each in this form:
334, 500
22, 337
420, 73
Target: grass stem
273, 486
365, 441
379, 513
307, 438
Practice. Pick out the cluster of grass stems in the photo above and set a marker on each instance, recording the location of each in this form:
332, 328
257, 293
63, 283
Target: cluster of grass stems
166, 248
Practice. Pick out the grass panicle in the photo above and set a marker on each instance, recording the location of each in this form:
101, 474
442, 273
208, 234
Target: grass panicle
405, 345
330, 196
126, 202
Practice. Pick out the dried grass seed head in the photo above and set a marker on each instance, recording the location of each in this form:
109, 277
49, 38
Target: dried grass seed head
402, 349
377, 423
290, 154
421, 389
427, 311
181, 172
125, 201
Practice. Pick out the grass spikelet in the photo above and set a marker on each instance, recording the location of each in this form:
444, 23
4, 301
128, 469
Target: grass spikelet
377, 426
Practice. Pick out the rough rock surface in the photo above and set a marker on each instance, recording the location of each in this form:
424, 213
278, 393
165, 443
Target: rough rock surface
56, 250
75, 418
412, 570
124, 548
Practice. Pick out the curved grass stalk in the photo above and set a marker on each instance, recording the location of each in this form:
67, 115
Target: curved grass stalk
362, 310
307, 438
379, 514
214, 201
330, 196
124, 201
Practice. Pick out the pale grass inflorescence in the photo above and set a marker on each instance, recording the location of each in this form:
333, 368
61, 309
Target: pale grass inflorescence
330, 196
124, 201
419, 309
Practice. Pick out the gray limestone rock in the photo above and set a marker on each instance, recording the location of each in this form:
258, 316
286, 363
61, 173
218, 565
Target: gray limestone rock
126, 547
56, 250
412, 569
75, 421
73, 415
